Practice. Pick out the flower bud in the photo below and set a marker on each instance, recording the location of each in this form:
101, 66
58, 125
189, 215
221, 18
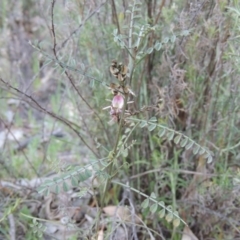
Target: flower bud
118, 102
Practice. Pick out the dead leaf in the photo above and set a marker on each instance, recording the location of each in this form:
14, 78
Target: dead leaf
100, 235
188, 234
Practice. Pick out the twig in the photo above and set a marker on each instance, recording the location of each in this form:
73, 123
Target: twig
18, 143
160, 11
65, 66
115, 15
66, 122
62, 45
70, 78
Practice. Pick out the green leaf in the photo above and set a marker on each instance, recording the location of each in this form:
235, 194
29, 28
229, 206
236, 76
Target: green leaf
127, 130
104, 83
152, 119
83, 192
74, 181
162, 213
209, 159
85, 175
153, 195
145, 203
154, 208
183, 142
170, 135
169, 208
151, 127
196, 149
46, 192
125, 152
88, 173
158, 46
165, 40
173, 38
40, 234
132, 124
169, 217
57, 189
161, 133
35, 223
189, 145
176, 214
149, 51
41, 189
185, 33
82, 177
202, 151
65, 186
47, 183
138, 57
177, 139
176, 222
143, 124
115, 31
162, 204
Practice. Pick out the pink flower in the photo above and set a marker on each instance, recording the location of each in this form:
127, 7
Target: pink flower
116, 108
118, 102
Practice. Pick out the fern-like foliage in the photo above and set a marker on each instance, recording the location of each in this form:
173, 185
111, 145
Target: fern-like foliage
153, 204
123, 145
76, 175
178, 137
38, 228
136, 42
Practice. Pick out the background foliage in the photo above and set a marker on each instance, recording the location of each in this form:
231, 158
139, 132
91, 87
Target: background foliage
179, 147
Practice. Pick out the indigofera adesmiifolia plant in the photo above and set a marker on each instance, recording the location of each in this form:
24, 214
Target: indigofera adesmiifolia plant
119, 90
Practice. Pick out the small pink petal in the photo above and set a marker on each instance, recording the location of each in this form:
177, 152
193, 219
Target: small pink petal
118, 101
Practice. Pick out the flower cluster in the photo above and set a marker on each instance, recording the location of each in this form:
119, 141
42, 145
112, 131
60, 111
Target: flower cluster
116, 107
119, 90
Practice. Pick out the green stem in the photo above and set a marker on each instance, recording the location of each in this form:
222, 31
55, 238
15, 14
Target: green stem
113, 157
115, 153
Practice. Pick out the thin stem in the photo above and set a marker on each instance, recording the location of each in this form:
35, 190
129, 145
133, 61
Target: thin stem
53, 115
70, 77
114, 152
131, 50
110, 166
